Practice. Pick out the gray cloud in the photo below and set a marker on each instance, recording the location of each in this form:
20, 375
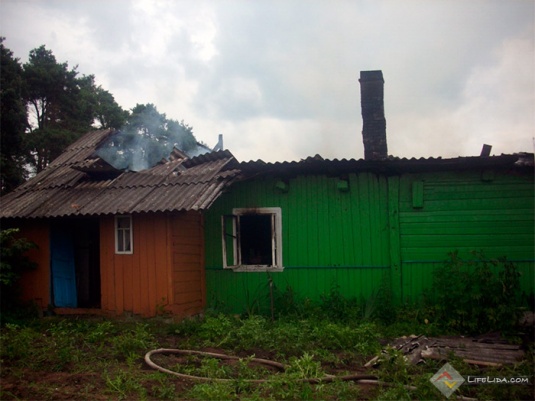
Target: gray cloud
280, 78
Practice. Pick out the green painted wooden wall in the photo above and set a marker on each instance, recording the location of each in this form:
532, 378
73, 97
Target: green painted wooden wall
397, 228
484, 211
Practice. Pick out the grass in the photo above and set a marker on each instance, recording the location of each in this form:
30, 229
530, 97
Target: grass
79, 358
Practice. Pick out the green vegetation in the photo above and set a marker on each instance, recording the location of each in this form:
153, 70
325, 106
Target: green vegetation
77, 358
13, 262
98, 358
46, 106
476, 296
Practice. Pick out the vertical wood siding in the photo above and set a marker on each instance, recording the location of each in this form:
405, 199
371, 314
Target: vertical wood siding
399, 228
35, 284
165, 271
331, 239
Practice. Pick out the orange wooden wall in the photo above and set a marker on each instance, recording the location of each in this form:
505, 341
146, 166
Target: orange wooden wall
165, 271
188, 275
35, 284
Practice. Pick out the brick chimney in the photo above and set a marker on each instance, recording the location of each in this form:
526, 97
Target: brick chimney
373, 115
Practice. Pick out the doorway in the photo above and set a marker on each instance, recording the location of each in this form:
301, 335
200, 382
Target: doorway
75, 263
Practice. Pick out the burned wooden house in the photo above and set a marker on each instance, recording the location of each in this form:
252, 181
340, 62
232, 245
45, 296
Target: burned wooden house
211, 231
113, 241
359, 225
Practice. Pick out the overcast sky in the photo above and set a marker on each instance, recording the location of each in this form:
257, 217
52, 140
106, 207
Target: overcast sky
279, 79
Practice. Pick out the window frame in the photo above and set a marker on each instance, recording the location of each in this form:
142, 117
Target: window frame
235, 243
129, 230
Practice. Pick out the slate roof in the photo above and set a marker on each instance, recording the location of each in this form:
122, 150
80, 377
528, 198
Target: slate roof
78, 183
390, 166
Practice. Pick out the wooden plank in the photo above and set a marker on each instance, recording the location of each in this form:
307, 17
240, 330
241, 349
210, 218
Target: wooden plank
466, 228
188, 275
365, 224
395, 244
418, 194
162, 260
127, 262
119, 284
521, 214
136, 284
104, 264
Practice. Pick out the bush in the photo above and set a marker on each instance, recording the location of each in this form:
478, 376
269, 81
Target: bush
13, 262
476, 296
13, 259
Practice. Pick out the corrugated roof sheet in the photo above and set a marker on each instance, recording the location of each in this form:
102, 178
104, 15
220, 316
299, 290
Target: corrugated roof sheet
77, 183
319, 165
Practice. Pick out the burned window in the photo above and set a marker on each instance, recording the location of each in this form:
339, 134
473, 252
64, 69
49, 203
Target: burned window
123, 234
252, 239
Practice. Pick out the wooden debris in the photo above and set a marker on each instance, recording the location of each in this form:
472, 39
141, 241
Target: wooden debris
484, 351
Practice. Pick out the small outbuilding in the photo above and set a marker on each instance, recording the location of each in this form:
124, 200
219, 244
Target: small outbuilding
112, 241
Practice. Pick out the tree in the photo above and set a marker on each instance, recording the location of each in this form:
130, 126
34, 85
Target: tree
63, 106
59, 111
108, 114
13, 121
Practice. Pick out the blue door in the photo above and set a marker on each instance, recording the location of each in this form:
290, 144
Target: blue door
63, 267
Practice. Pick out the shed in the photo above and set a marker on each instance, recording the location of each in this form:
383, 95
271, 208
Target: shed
112, 241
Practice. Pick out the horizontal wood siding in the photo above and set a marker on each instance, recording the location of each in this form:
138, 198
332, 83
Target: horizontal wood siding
136, 283
188, 274
463, 212
331, 238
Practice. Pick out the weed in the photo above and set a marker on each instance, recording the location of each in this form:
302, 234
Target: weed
304, 368
16, 341
133, 342
161, 386
339, 308
185, 328
394, 367
123, 384
468, 296
100, 332
212, 391
216, 331
211, 367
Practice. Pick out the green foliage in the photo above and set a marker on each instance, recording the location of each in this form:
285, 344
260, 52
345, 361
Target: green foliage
133, 342
476, 296
16, 341
13, 262
213, 391
13, 120
79, 349
124, 384
304, 367
45, 107
13, 258
59, 105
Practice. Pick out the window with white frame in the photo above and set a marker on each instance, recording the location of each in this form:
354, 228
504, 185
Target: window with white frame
123, 235
252, 239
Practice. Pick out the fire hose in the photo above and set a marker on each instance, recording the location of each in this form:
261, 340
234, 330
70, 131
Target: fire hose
358, 378
361, 378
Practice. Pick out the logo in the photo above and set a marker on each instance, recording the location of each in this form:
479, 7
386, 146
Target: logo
447, 380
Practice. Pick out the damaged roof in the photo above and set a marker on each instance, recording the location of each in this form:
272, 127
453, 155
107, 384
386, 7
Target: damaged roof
79, 183
390, 166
